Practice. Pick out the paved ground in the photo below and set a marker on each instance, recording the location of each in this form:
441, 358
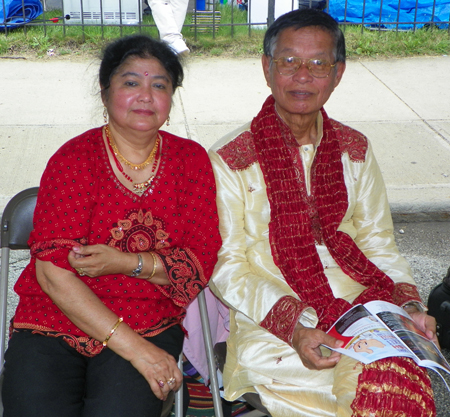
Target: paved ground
402, 105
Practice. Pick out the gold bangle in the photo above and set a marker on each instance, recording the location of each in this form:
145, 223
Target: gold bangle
155, 261
105, 342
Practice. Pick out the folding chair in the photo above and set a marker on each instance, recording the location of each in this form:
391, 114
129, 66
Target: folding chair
17, 223
220, 349
216, 356
16, 226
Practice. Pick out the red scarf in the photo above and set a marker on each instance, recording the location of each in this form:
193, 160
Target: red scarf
297, 222
294, 213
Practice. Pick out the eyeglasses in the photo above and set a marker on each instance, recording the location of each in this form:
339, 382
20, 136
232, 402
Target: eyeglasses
318, 68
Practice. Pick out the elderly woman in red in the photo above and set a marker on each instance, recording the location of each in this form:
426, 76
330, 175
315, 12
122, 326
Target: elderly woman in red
126, 235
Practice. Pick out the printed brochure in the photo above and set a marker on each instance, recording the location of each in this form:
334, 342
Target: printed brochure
379, 330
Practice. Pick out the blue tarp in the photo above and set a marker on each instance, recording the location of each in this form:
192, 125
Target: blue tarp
13, 15
386, 11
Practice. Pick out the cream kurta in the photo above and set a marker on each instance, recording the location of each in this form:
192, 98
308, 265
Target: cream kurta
249, 282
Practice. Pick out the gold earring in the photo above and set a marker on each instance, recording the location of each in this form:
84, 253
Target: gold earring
105, 115
168, 121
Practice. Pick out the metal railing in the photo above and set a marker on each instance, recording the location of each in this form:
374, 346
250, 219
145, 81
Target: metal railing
377, 15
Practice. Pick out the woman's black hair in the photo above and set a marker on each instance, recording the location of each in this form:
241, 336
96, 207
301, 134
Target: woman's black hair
301, 18
142, 46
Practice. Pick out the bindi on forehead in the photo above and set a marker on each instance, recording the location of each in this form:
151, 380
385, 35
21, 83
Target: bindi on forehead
139, 74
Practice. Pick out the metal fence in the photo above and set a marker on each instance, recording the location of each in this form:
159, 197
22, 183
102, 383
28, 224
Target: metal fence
208, 16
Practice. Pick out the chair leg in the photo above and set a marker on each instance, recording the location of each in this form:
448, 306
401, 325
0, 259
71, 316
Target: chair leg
179, 393
1, 402
210, 355
174, 401
4, 271
227, 407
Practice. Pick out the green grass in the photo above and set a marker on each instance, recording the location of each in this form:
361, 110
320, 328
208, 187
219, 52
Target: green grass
388, 44
236, 41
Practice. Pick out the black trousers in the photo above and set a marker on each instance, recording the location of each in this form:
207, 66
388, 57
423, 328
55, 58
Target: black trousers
45, 377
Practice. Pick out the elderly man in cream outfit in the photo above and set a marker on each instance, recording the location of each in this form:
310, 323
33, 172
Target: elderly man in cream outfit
307, 233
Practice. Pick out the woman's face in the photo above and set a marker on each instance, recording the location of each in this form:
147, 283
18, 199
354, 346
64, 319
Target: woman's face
140, 95
301, 93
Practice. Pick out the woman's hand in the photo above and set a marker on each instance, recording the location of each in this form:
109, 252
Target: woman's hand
97, 260
157, 367
307, 341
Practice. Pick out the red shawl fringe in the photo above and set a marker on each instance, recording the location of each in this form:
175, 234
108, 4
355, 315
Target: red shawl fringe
393, 387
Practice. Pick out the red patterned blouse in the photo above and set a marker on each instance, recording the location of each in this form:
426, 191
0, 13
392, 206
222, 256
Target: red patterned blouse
81, 201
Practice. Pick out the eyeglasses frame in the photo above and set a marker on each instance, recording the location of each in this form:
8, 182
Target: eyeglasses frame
303, 61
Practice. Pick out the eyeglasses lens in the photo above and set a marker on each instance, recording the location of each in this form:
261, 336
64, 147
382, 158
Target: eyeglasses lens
318, 68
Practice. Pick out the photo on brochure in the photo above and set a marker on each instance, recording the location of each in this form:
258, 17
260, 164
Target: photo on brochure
378, 330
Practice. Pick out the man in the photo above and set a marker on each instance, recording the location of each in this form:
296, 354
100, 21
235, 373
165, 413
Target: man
307, 233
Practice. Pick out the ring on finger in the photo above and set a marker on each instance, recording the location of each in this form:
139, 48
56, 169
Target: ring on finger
80, 272
161, 383
171, 381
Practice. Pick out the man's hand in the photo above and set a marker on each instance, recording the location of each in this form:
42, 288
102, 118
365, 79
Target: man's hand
425, 323
307, 341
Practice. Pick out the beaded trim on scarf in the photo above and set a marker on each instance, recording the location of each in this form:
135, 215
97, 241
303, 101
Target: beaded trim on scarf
393, 387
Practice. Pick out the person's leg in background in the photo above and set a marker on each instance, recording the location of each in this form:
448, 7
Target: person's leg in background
169, 17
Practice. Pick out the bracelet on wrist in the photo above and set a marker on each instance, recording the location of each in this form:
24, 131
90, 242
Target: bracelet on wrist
105, 342
413, 305
155, 261
138, 269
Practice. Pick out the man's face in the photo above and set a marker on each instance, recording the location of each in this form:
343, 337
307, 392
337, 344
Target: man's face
301, 93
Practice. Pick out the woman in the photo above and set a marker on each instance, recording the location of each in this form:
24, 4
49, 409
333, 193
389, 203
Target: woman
307, 233
125, 237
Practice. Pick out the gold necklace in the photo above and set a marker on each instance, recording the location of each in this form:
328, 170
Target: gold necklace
123, 159
138, 188
142, 187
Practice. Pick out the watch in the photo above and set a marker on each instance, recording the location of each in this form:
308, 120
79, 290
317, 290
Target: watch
138, 270
414, 304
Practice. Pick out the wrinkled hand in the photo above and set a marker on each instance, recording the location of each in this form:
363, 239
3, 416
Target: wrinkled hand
97, 260
307, 341
425, 323
157, 365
